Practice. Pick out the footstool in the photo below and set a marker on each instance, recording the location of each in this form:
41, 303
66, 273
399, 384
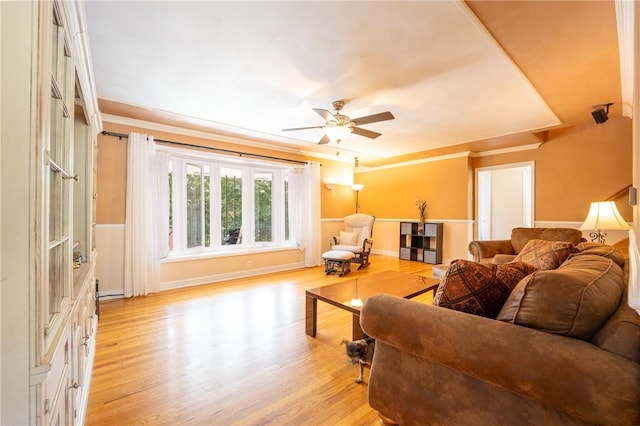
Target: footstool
337, 261
438, 271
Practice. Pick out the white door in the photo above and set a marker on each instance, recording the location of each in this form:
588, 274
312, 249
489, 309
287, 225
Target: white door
505, 199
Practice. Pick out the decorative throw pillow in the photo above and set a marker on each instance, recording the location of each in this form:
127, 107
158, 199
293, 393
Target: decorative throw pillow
348, 238
544, 254
479, 288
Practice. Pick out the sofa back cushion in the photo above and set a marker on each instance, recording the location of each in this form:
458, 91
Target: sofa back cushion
574, 300
521, 236
592, 247
479, 288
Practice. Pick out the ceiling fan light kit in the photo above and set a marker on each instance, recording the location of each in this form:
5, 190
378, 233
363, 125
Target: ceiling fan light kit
337, 132
338, 126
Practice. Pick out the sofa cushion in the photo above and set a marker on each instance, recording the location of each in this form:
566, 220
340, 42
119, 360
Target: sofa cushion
574, 300
544, 254
520, 236
499, 258
592, 247
479, 288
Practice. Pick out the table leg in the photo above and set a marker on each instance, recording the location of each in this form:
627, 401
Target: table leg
358, 334
311, 315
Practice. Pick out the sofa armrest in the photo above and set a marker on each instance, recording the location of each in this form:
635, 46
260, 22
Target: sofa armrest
561, 374
487, 249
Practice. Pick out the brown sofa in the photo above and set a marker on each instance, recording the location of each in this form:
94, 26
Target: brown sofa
506, 250
438, 366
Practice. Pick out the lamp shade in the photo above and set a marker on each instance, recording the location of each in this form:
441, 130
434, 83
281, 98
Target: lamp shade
604, 215
357, 186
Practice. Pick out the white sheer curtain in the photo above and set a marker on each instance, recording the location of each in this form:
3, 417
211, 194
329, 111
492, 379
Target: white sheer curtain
147, 217
305, 214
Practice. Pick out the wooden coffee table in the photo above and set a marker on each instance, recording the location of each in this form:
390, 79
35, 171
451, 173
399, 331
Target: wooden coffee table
341, 295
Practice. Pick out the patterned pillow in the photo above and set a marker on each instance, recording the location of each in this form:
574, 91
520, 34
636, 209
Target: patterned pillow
479, 288
544, 254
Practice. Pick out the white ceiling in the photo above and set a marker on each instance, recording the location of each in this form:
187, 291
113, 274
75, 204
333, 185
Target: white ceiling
254, 68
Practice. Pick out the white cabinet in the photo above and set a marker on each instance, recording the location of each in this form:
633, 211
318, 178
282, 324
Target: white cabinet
48, 131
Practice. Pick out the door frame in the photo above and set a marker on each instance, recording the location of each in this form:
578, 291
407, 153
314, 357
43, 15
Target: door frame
483, 197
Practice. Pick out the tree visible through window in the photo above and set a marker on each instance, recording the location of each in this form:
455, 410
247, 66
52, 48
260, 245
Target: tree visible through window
195, 205
220, 205
230, 205
286, 208
263, 194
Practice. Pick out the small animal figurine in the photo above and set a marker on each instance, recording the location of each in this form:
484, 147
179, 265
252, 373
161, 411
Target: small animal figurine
361, 352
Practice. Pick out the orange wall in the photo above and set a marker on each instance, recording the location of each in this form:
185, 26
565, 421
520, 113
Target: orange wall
339, 201
576, 166
391, 192
112, 179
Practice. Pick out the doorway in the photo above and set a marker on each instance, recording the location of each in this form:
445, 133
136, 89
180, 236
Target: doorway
505, 199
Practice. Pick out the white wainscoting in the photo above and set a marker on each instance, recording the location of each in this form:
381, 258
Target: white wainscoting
611, 238
386, 236
110, 265
209, 279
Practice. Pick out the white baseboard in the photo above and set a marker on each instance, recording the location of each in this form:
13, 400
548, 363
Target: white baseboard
111, 294
170, 285
386, 252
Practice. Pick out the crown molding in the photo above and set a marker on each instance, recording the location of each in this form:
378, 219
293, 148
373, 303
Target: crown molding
116, 119
506, 150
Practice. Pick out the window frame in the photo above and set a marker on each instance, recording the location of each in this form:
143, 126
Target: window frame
179, 158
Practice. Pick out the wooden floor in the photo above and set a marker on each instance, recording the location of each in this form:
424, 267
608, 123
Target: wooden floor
231, 353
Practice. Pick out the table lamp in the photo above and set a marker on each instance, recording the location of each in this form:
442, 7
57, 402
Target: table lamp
603, 216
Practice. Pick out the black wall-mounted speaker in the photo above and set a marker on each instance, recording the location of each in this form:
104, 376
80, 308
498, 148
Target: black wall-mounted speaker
600, 115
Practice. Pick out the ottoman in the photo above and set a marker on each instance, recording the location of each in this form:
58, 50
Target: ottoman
337, 261
438, 271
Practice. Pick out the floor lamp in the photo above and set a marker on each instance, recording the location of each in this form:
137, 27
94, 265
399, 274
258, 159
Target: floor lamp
357, 187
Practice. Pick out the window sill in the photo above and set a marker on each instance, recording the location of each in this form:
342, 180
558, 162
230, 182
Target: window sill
224, 253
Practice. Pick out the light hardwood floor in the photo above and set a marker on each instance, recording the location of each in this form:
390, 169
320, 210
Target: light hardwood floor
231, 353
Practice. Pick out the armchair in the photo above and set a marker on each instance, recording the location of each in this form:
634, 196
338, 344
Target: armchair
500, 251
356, 238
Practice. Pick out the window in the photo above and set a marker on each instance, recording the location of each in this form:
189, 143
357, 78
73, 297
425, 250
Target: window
216, 204
195, 189
230, 205
263, 196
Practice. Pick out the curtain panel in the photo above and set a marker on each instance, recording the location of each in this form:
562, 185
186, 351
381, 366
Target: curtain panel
305, 213
146, 220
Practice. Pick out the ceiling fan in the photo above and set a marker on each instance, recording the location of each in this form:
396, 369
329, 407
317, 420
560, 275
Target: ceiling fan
339, 126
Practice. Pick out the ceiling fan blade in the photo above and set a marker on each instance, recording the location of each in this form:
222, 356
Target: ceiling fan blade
382, 116
366, 133
325, 140
324, 114
302, 128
